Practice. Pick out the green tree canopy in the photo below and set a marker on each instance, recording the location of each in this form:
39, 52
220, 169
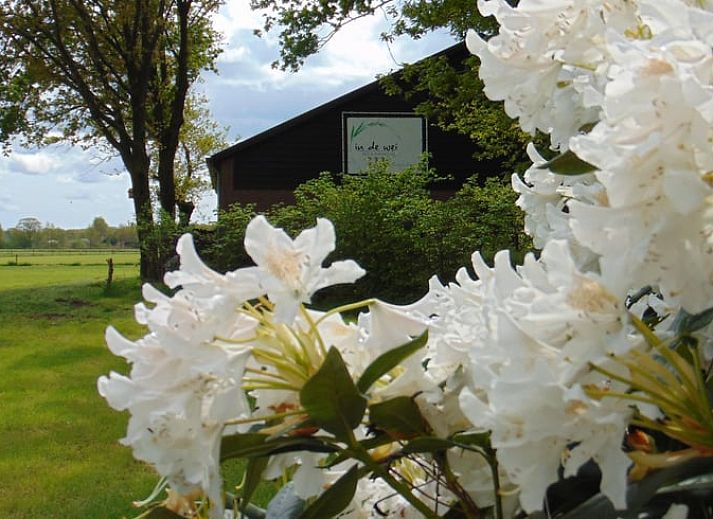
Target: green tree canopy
106, 72
98, 231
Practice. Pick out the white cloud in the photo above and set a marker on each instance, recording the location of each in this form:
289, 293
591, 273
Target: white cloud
92, 176
354, 54
236, 15
38, 163
234, 55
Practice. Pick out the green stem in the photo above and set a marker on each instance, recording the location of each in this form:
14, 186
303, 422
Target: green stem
705, 416
471, 510
493, 464
662, 399
496, 486
253, 419
314, 330
345, 308
234, 341
363, 455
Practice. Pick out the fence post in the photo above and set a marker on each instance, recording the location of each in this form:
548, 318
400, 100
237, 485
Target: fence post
110, 273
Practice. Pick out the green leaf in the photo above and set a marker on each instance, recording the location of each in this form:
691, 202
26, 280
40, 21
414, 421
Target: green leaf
336, 498
286, 504
310, 444
427, 444
479, 439
399, 417
568, 164
433, 444
641, 493
686, 323
241, 445
252, 445
331, 399
251, 480
389, 360
367, 444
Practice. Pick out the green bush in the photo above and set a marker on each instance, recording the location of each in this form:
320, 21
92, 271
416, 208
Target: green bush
224, 250
390, 225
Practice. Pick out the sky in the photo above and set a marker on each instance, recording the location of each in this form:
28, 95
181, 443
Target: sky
68, 186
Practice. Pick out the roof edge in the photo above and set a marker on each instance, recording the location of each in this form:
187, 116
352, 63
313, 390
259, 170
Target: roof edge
286, 125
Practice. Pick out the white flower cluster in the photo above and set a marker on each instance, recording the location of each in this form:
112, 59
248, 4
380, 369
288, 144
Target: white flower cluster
520, 352
627, 85
187, 374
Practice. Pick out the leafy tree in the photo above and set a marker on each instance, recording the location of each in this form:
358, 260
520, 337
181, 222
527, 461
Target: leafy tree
305, 27
27, 232
200, 137
98, 231
451, 95
2, 238
106, 71
52, 236
124, 236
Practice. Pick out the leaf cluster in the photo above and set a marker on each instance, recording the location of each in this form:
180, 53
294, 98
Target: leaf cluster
389, 223
306, 26
449, 93
71, 70
336, 406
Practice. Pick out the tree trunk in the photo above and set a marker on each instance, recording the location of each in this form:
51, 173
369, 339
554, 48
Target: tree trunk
185, 211
151, 268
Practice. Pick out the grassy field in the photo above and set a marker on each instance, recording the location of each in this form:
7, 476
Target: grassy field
26, 268
59, 451
59, 455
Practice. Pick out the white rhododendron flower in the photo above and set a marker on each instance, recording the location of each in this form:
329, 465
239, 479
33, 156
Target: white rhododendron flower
653, 153
549, 61
290, 271
641, 74
529, 337
184, 385
650, 63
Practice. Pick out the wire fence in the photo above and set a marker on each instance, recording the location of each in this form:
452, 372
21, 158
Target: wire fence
71, 257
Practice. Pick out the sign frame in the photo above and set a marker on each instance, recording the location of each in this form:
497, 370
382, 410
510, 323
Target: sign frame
346, 116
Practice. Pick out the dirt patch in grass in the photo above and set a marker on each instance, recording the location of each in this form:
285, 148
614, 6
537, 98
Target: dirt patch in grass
52, 316
73, 302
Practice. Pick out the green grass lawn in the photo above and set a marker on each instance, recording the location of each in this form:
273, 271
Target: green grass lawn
42, 276
59, 450
59, 454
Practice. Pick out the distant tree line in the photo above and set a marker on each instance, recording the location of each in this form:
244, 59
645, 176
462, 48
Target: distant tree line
30, 233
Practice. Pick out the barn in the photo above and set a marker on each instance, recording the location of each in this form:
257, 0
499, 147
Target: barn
342, 135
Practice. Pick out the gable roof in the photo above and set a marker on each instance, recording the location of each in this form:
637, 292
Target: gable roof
453, 51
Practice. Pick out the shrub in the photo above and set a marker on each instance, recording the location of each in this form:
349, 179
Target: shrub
390, 225
224, 250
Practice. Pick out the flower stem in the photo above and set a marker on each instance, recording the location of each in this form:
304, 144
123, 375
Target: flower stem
346, 308
253, 419
361, 454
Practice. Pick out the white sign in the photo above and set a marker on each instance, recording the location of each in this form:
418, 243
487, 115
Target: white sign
398, 138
